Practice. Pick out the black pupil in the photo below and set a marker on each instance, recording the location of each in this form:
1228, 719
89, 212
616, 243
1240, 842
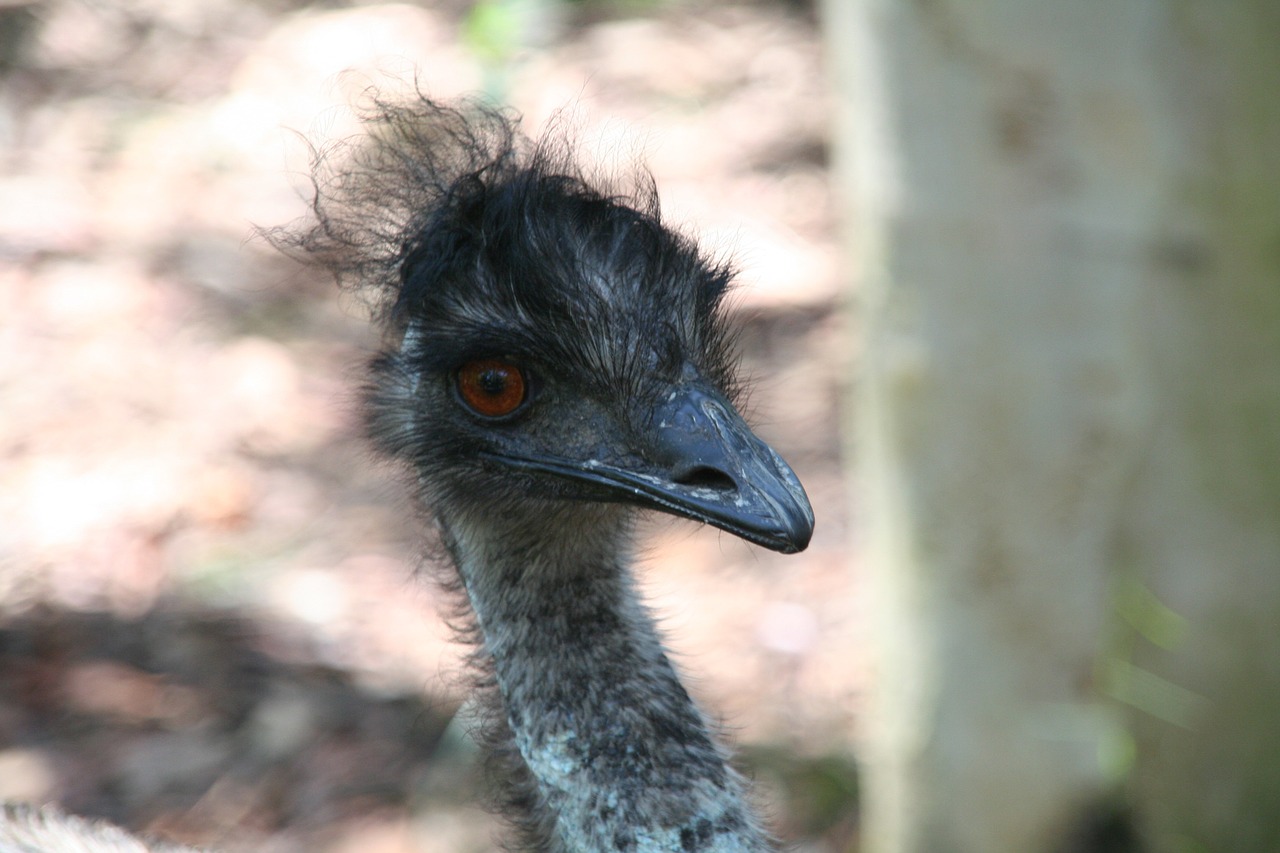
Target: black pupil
493, 382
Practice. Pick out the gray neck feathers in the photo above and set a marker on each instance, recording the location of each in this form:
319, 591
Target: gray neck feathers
618, 757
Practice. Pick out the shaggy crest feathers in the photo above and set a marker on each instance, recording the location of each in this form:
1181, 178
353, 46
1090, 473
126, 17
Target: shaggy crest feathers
436, 195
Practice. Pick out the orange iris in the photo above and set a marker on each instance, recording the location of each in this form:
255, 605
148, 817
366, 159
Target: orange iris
491, 387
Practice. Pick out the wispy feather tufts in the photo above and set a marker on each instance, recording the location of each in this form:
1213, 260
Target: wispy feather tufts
452, 214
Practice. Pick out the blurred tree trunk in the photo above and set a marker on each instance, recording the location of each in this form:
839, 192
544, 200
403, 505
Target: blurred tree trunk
1067, 217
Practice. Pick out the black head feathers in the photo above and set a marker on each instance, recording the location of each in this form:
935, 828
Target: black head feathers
549, 338
447, 218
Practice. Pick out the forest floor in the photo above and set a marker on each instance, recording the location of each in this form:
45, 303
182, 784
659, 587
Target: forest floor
214, 625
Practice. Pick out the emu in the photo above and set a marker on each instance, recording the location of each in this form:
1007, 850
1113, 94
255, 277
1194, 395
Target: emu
556, 358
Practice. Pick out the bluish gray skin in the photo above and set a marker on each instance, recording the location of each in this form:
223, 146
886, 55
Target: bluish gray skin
478, 244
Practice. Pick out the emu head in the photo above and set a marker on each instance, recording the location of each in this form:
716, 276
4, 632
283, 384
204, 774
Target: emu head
549, 339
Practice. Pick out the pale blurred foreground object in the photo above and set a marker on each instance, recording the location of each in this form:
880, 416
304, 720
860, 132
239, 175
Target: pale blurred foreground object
1068, 420
28, 829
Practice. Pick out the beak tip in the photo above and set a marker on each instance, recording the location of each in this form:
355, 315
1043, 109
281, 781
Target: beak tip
798, 535
789, 529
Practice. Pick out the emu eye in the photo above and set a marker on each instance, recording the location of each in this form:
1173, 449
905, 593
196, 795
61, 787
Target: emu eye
491, 387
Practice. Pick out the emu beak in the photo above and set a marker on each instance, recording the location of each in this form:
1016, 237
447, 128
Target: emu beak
713, 468
699, 459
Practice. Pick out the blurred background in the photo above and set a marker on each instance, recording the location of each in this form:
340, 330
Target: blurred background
214, 623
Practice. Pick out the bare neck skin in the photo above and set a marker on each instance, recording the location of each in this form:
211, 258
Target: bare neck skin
619, 758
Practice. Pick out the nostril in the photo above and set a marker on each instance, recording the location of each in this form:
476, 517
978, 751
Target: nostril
706, 477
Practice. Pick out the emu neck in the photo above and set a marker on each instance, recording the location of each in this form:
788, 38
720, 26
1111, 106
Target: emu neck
618, 756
